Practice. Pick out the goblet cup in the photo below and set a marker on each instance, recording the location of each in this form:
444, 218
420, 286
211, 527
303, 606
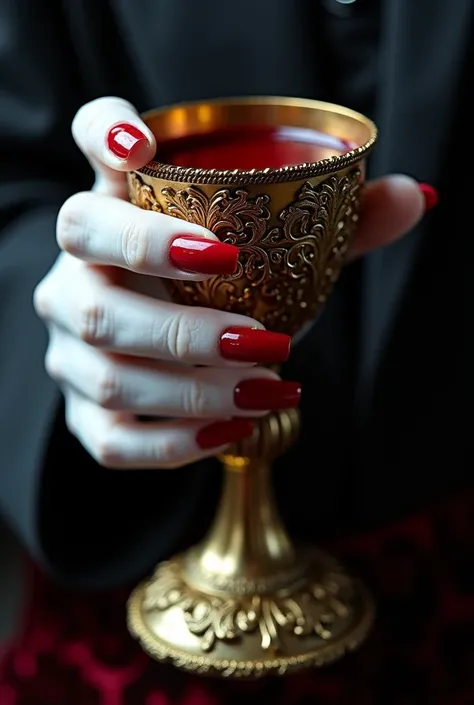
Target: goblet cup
281, 179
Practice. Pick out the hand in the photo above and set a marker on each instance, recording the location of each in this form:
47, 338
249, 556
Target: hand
120, 353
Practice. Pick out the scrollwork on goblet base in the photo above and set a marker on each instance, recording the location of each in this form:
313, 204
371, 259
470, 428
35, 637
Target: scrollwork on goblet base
309, 622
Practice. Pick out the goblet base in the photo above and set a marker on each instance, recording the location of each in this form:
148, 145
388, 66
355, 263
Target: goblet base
308, 617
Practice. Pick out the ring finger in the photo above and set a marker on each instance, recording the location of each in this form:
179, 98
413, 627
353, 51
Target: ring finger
148, 388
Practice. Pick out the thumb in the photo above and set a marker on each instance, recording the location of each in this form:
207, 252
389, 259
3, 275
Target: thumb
391, 207
114, 139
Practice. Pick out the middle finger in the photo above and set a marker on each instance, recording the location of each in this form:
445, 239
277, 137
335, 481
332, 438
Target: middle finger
93, 308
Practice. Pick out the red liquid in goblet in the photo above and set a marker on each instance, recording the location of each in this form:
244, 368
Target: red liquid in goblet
251, 147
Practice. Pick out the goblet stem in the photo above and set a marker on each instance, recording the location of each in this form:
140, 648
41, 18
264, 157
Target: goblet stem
247, 537
247, 542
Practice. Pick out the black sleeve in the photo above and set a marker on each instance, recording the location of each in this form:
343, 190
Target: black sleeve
88, 526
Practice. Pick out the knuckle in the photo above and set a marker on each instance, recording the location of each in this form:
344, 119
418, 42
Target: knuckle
136, 245
195, 399
95, 323
53, 363
42, 299
71, 232
109, 392
178, 334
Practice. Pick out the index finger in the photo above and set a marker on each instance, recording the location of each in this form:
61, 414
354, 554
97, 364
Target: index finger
114, 139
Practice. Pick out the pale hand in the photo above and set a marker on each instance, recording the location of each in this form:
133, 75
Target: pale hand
120, 352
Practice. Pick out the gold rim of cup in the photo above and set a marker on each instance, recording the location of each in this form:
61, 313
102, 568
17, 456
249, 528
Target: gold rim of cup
204, 117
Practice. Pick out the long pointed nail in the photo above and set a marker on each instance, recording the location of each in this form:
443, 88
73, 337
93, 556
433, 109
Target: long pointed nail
266, 394
203, 256
254, 345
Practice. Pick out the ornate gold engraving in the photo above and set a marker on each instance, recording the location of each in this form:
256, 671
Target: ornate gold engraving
142, 195
313, 609
285, 273
329, 615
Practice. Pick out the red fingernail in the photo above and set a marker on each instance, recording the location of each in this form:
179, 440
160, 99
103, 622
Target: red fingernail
201, 256
254, 345
123, 139
430, 195
222, 433
263, 394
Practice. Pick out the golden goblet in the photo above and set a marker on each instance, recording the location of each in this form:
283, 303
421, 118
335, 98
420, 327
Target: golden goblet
246, 602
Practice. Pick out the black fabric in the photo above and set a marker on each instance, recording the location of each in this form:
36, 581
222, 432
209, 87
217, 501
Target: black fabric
379, 409
348, 46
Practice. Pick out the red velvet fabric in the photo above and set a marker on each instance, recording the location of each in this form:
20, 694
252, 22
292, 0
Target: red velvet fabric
75, 650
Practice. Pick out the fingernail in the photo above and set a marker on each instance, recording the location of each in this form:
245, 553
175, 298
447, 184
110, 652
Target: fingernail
123, 139
222, 433
254, 345
201, 256
263, 394
430, 195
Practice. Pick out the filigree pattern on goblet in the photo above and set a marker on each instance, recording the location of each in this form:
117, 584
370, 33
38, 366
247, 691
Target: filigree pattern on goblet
286, 271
